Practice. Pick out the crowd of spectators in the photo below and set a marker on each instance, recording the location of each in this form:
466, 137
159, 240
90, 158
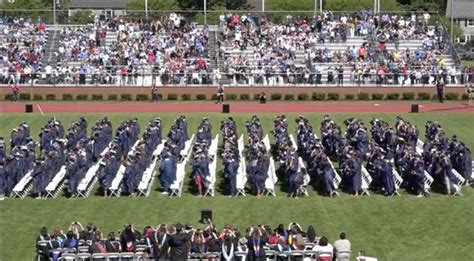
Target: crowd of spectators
22, 43
180, 242
174, 50
293, 51
170, 50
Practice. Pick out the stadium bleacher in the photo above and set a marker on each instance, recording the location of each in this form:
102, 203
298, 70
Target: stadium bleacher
229, 53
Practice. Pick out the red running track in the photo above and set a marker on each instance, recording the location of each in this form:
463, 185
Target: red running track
236, 107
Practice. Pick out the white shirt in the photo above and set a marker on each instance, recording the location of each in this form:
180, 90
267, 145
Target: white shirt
327, 248
48, 69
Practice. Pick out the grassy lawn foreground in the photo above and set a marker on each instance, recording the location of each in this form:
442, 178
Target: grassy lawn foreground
398, 228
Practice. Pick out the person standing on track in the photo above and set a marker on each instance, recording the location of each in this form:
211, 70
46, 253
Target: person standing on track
440, 90
15, 92
154, 94
220, 94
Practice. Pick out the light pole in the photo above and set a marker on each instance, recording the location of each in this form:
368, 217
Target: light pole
315, 7
54, 12
146, 9
320, 6
205, 12
263, 6
452, 21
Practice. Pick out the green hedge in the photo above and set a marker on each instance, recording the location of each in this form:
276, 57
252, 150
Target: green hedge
318, 96
50, 97
349, 96
172, 96
276, 96
25, 96
303, 96
186, 97
8, 96
393, 96
363, 96
244, 97
214, 97
97, 97
377, 96
289, 97
231, 96
465, 96
126, 97
142, 97
82, 97
424, 96
68, 97
112, 97
451, 96
200, 97
256, 97
37, 97
333, 96
408, 96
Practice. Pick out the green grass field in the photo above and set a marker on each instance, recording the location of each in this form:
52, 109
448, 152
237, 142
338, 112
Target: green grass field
395, 228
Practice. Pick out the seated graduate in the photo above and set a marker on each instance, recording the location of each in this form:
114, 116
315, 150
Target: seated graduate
71, 241
257, 171
352, 169
200, 168
42, 250
130, 175
255, 244
108, 170
111, 244
231, 167
168, 166
40, 180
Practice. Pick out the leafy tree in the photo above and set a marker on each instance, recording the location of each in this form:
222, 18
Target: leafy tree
136, 8
213, 16
28, 8
81, 17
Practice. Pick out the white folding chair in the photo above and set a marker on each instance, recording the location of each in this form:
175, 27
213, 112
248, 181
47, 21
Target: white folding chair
83, 257
113, 256
127, 256
68, 257
99, 257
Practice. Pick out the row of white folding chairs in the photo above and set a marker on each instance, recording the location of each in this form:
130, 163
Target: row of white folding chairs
272, 178
144, 187
241, 178
366, 181
57, 183
115, 187
24, 186
397, 180
177, 186
87, 183
212, 166
301, 165
102, 257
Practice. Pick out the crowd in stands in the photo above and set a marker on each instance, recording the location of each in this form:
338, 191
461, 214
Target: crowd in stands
22, 42
185, 242
173, 50
274, 50
170, 50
